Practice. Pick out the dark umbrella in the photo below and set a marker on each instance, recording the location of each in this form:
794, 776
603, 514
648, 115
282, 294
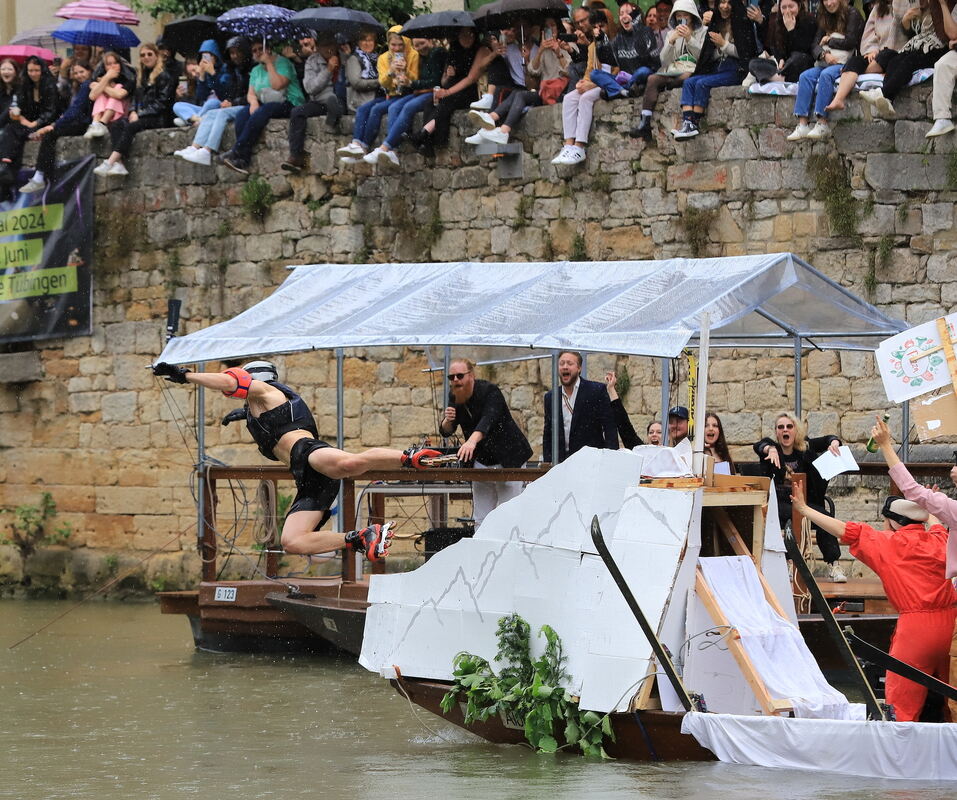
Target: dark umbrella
187, 34
507, 12
440, 25
260, 22
41, 36
481, 16
96, 33
335, 19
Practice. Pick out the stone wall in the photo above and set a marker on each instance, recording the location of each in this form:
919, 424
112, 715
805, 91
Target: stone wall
116, 452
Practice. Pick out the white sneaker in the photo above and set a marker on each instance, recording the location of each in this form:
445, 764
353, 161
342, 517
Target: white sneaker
372, 157
392, 156
882, 105
819, 131
941, 126
495, 135
182, 153
95, 130
33, 185
559, 159
836, 574
352, 149
484, 103
199, 155
118, 169
475, 138
482, 119
574, 155
103, 169
800, 132
348, 160
179, 122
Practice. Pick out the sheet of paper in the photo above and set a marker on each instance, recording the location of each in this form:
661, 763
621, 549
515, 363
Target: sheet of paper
829, 465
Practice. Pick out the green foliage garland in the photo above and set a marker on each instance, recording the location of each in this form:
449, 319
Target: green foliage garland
527, 693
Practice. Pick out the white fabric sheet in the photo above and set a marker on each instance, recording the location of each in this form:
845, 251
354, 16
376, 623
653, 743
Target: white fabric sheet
909, 750
775, 646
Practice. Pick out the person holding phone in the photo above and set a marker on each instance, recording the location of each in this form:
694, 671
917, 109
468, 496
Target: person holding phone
213, 85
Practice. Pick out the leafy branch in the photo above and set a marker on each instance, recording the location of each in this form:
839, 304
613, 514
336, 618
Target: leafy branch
527, 693
29, 524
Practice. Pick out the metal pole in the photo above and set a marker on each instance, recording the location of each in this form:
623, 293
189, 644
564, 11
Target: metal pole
905, 431
701, 394
665, 400
584, 366
340, 430
200, 455
797, 376
446, 361
556, 406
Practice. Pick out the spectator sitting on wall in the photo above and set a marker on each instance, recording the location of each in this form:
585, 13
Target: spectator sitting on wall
729, 47
322, 70
72, 122
432, 61
678, 57
212, 86
9, 73
114, 81
550, 64
274, 91
213, 124
153, 108
790, 40
839, 35
38, 101
634, 54
932, 27
362, 72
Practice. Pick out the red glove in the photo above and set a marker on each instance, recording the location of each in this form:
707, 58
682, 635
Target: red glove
412, 458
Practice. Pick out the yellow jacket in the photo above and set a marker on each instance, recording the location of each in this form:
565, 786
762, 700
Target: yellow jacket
384, 64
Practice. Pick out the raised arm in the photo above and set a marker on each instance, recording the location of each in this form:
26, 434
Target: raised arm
833, 526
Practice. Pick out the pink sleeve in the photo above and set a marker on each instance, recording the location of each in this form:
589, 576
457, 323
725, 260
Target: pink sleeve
937, 503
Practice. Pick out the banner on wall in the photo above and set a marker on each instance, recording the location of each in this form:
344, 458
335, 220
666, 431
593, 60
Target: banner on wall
46, 246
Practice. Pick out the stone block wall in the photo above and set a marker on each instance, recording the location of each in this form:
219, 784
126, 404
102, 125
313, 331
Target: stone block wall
115, 450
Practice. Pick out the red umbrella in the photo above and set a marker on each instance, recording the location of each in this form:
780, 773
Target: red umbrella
107, 10
21, 52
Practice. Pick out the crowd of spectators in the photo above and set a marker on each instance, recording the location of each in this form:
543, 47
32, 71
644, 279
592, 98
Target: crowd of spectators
821, 52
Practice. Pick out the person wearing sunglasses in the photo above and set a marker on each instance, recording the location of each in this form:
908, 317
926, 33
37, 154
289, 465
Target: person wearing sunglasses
492, 437
792, 451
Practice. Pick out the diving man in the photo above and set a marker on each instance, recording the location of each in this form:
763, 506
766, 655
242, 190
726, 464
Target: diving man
285, 430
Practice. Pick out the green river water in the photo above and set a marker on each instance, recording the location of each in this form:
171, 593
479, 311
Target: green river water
112, 701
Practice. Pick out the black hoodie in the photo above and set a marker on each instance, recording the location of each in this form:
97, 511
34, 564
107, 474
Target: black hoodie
635, 48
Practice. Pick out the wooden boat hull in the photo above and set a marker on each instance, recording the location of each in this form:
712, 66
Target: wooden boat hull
338, 621
639, 736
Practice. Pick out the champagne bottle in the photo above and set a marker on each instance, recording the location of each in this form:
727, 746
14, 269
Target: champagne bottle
871, 445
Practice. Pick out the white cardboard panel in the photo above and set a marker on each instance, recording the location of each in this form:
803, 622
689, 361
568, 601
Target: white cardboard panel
611, 682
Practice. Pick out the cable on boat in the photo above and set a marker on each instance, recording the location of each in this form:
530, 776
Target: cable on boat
419, 719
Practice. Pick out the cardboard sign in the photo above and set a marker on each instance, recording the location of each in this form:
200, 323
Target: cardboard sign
913, 363
935, 415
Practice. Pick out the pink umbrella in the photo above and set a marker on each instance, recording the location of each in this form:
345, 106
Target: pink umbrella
107, 10
21, 52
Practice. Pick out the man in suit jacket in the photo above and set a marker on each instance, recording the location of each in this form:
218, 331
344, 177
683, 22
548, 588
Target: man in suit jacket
587, 418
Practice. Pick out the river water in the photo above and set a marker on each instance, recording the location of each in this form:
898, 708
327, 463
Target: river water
112, 701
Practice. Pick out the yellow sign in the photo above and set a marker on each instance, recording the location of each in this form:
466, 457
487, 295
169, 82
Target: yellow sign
25, 253
38, 283
36, 219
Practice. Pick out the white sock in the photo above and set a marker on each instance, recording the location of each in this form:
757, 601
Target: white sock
488, 96
645, 112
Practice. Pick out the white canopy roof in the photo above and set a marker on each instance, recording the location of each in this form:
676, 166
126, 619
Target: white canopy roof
650, 308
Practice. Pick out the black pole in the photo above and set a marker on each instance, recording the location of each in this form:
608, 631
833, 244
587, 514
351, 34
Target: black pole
874, 708
659, 650
172, 317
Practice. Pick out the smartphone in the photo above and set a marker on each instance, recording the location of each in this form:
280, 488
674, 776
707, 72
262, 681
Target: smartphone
753, 2
567, 37
547, 34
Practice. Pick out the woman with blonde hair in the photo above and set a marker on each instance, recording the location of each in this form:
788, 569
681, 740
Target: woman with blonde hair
152, 108
792, 452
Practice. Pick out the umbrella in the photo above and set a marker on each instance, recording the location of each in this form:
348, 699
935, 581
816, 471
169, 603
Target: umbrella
505, 13
260, 22
106, 10
440, 25
21, 52
96, 32
335, 19
41, 36
187, 34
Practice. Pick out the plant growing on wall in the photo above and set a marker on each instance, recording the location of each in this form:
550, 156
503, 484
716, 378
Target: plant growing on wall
257, 197
28, 529
527, 693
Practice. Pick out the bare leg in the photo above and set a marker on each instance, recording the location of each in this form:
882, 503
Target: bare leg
844, 86
299, 536
336, 463
107, 116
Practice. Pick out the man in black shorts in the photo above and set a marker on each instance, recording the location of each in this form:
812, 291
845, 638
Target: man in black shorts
283, 427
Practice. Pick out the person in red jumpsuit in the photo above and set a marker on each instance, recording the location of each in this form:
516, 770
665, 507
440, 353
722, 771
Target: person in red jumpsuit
909, 559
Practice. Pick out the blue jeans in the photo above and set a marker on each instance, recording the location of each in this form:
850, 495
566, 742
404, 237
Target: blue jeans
249, 127
369, 118
641, 76
696, 90
189, 110
213, 125
401, 113
821, 79
606, 81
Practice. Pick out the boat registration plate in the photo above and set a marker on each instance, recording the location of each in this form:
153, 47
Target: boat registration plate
225, 594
